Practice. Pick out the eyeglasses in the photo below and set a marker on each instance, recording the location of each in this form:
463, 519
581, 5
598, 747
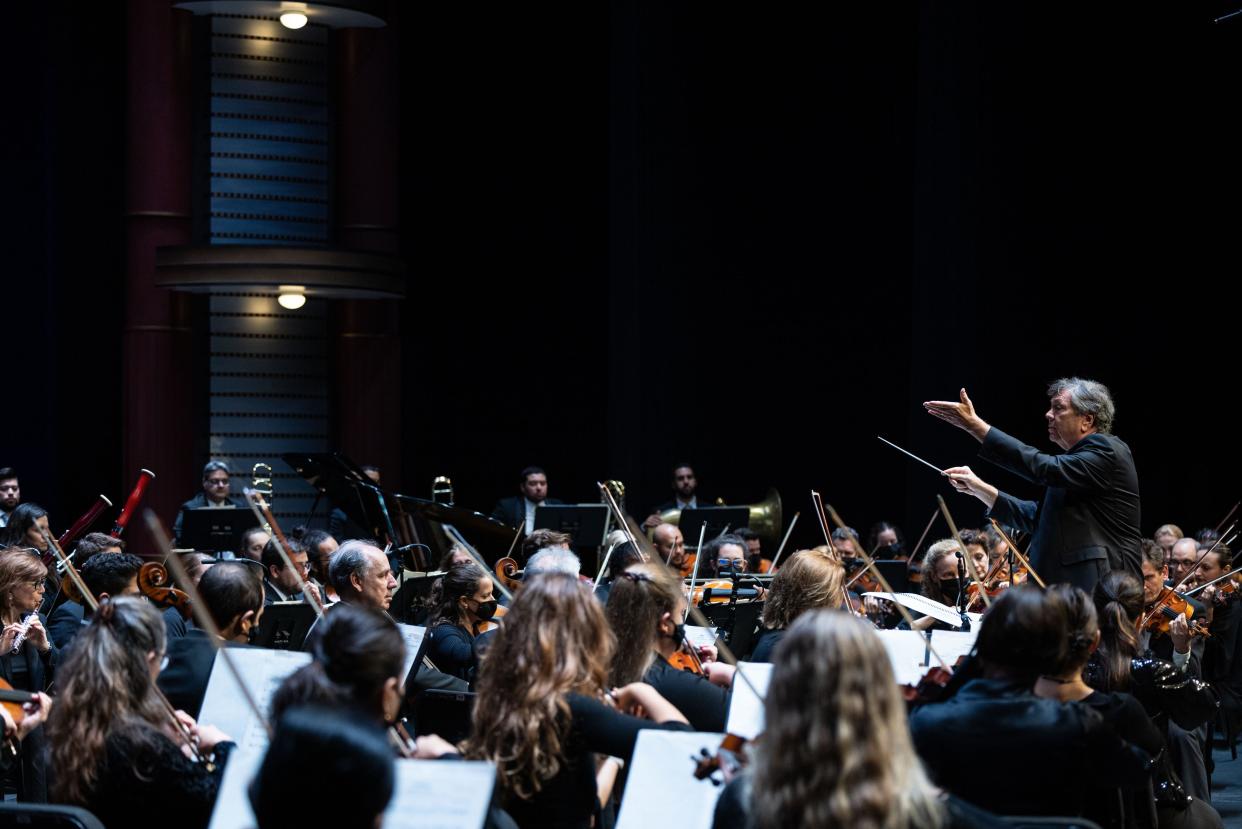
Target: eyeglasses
731, 564
218, 481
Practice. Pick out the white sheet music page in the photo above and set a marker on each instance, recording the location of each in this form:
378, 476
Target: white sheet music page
224, 705
700, 636
746, 709
662, 790
413, 636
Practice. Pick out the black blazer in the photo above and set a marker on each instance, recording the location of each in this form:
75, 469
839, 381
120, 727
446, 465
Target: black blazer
511, 511
1088, 521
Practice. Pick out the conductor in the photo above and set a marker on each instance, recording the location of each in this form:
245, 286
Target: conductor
1088, 521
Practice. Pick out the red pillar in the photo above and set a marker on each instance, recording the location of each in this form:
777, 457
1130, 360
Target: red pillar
157, 393
367, 396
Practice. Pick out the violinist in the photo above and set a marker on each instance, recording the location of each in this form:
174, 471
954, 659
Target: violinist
455, 555
252, 543
808, 580
945, 577
1166, 535
319, 546
465, 602
543, 709
836, 750
106, 575
887, 541
1222, 659
1182, 560
1171, 641
27, 658
755, 562
1177, 704
623, 556
670, 545
845, 539
233, 594
646, 612
113, 744
279, 583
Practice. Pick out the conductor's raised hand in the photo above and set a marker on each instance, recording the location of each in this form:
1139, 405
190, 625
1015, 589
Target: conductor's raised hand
960, 413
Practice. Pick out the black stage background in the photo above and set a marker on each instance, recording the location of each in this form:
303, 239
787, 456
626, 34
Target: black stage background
752, 237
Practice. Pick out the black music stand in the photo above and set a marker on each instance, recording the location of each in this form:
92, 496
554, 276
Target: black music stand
284, 626
897, 573
219, 529
412, 601
717, 519
735, 623
583, 522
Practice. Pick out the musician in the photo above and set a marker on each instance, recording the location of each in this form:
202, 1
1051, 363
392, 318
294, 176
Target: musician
360, 574
1057, 759
1088, 521
685, 488
93, 543
646, 611
541, 713
1166, 535
754, 549
845, 542
671, 547
519, 510
724, 555
113, 745
280, 583
944, 577
252, 543
1175, 646
30, 665
465, 601
623, 556
1178, 704
10, 494
106, 576
1181, 559
836, 749
806, 581
320, 545
542, 540
26, 526
322, 743
215, 495
887, 541
232, 592
1222, 661
552, 560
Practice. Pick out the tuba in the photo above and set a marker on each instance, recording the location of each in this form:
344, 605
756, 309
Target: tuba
765, 516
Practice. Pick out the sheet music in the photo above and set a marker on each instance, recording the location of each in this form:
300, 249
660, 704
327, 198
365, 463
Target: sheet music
907, 651
418, 800
745, 709
661, 788
224, 704
413, 636
922, 604
700, 636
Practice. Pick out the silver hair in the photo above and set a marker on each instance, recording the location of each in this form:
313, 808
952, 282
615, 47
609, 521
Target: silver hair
1088, 398
553, 560
349, 559
215, 466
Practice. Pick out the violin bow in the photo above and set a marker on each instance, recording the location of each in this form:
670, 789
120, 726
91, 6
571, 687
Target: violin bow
93, 603
818, 503
264, 513
1194, 567
970, 564
784, 541
201, 616
1225, 520
1023, 560
698, 556
870, 564
923, 537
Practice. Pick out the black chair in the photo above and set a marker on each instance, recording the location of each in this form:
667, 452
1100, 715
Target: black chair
1050, 822
42, 816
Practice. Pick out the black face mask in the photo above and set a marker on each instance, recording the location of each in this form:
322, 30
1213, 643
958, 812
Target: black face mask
949, 588
487, 609
679, 634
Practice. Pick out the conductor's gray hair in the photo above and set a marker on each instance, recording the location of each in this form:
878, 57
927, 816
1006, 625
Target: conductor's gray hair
553, 560
1088, 398
349, 558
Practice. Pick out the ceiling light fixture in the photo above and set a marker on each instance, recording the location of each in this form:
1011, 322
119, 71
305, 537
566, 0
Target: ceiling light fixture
292, 297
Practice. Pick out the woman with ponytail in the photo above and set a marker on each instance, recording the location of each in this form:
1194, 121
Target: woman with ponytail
464, 601
113, 744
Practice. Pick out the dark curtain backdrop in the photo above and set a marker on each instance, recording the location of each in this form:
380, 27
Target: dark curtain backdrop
750, 237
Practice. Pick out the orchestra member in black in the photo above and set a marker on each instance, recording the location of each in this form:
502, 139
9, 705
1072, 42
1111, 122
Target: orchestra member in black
1177, 645
543, 710
106, 575
252, 543
233, 595
886, 540
280, 584
465, 601
1124, 713
320, 545
28, 658
10, 494
519, 510
215, 494
685, 495
944, 577
836, 748
1177, 702
1088, 521
1222, 662
1056, 759
113, 745
806, 581
646, 611
623, 556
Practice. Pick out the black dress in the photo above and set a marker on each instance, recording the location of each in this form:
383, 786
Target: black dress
568, 800
768, 640
145, 780
30, 670
704, 704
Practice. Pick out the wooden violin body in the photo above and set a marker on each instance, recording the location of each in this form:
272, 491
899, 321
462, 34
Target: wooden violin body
154, 583
1167, 607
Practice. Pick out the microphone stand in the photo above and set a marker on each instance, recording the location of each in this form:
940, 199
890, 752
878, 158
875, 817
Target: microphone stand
961, 590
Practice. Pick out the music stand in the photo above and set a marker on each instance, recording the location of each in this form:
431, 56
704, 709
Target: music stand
735, 624
897, 573
412, 601
717, 519
583, 522
218, 529
284, 626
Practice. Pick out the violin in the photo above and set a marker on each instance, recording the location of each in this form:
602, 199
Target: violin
155, 584
1167, 607
723, 764
15, 703
687, 568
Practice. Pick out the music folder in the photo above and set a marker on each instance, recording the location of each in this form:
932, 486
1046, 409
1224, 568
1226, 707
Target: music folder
217, 529
284, 626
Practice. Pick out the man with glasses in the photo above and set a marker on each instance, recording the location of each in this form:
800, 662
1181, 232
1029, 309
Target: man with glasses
215, 494
280, 583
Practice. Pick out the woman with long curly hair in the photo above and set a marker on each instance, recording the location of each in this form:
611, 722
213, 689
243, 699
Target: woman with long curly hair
808, 580
113, 744
836, 750
646, 610
543, 708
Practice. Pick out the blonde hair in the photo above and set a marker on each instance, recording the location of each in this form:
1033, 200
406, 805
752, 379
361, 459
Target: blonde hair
808, 580
847, 760
1168, 529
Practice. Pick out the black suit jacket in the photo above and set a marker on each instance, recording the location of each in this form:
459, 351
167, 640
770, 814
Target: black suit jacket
512, 510
1088, 521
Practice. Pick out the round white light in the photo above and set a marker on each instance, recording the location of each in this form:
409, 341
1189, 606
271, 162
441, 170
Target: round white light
293, 299
293, 20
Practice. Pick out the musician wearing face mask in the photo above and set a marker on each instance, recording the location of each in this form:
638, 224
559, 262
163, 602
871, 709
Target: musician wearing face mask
27, 659
466, 601
233, 595
944, 576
